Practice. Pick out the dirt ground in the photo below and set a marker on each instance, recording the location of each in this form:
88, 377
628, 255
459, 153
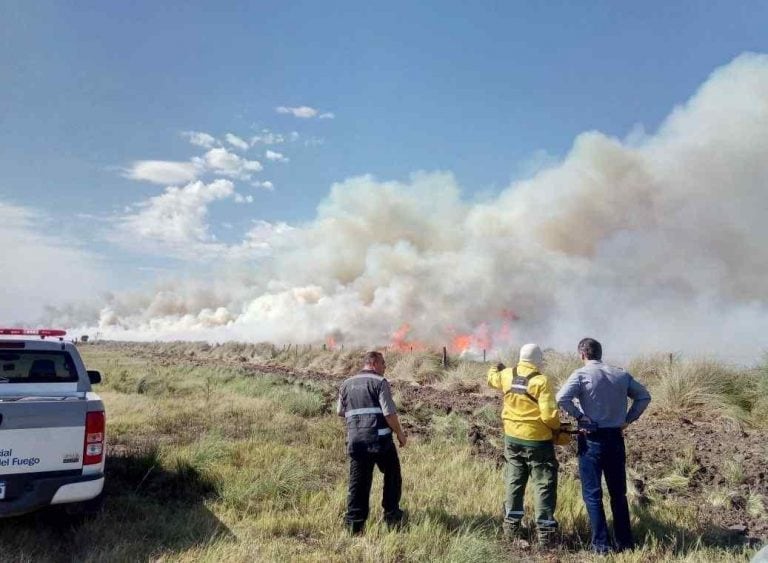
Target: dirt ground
689, 461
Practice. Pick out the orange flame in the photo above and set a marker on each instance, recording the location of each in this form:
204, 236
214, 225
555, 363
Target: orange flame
460, 343
330, 342
481, 338
400, 342
484, 337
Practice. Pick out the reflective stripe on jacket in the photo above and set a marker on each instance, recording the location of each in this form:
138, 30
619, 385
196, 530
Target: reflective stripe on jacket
523, 418
363, 401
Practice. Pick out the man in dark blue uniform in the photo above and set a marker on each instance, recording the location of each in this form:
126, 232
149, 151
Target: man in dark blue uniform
365, 401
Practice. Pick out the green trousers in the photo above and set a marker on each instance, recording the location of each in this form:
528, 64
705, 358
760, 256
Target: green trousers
540, 465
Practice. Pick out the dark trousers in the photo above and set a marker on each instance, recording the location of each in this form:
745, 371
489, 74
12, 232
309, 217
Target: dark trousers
602, 453
360, 478
539, 465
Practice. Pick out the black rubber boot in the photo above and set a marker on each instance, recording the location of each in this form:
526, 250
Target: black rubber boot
356, 528
395, 519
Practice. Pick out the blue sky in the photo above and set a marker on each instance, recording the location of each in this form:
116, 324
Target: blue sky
482, 90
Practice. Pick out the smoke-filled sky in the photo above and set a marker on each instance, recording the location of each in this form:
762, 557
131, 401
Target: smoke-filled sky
554, 177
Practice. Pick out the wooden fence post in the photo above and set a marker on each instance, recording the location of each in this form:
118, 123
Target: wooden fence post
445, 357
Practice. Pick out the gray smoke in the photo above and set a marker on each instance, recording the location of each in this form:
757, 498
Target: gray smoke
653, 244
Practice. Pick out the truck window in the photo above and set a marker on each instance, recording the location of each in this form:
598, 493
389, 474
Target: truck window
29, 366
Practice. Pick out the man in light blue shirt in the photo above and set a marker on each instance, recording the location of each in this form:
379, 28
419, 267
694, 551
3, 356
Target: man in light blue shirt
601, 392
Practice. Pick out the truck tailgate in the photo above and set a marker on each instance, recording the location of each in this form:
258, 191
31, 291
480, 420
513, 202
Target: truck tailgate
41, 435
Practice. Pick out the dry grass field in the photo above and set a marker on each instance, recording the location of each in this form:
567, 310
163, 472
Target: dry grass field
232, 453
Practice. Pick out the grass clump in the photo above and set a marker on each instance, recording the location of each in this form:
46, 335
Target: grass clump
452, 426
756, 506
421, 367
295, 398
464, 377
733, 471
701, 389
488, 414
719, 497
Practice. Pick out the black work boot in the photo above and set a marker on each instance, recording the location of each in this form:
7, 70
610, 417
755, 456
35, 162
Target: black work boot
394, 519
356, 527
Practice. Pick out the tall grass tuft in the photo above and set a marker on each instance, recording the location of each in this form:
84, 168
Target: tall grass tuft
419, 366
464, 377
700, 388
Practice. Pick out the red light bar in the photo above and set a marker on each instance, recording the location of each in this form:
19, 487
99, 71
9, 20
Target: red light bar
32, 332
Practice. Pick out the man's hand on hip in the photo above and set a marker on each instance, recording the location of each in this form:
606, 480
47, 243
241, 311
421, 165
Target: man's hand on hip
586, 425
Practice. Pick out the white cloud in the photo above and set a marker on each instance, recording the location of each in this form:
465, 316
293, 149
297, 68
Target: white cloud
267, 137
236, 141
176, 220
327, 115
163, 171
41, 269
304, 112
275, 156
221, 161
217, 160
267, 185
240, 198
200, 139
175, 224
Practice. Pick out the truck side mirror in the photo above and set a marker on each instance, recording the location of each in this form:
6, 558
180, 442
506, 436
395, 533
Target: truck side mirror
94, 376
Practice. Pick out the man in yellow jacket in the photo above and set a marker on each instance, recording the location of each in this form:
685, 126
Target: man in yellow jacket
530, 416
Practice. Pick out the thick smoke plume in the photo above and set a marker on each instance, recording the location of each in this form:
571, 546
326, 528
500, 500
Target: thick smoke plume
655, 243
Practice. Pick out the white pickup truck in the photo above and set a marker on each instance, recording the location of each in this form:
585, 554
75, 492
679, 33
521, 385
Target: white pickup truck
52, 426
